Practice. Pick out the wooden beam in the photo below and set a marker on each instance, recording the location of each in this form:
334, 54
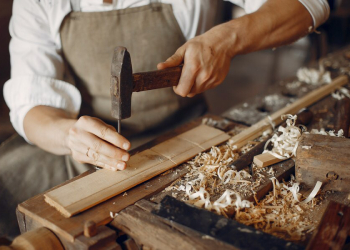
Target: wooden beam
97, 187
257, 129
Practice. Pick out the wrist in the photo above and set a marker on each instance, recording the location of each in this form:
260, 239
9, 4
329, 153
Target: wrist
242, 35
67, 125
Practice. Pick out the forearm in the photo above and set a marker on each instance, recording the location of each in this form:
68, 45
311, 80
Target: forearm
48, 128
276, 23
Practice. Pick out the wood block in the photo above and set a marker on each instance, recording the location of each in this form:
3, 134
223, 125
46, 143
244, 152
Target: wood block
265, 160
333, 229
104, 184
326, 159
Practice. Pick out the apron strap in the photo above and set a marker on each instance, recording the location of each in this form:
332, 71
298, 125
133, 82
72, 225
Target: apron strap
75, 4
155, 5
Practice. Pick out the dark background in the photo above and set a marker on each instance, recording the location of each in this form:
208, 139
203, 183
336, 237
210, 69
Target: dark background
249, 74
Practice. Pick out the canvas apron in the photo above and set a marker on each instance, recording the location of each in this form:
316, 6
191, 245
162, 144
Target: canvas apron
151, 34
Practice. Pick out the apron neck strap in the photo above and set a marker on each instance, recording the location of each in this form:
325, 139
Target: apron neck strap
155, 5
75, 4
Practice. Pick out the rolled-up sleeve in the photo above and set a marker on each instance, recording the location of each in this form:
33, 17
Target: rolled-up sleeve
37, 67
318, 9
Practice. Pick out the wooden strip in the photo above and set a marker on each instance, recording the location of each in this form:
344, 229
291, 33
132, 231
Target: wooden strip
257, 129
265, 160
38, 213
104, 184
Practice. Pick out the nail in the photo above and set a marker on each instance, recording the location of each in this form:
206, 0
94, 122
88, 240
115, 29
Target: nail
126, 145
125, 158
113, 168
121, 165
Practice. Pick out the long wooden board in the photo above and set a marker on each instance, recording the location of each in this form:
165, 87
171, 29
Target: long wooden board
95, 188
258, 128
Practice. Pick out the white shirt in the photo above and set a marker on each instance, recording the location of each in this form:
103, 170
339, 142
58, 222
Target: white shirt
36, 54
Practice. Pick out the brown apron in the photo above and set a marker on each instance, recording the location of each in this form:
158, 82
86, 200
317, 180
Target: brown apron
151, 34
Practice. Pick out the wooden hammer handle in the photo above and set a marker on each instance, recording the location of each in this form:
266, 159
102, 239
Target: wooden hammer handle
156, 79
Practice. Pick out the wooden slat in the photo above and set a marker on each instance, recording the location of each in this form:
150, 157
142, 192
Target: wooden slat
257, 129
104, 184
265, 160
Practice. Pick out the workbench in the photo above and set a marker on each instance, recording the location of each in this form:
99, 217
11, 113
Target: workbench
132, 219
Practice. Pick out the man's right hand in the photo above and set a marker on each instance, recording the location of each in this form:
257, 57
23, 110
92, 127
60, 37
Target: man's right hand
93, 141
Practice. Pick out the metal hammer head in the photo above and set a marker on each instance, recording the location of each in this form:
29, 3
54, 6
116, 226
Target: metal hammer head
121, 84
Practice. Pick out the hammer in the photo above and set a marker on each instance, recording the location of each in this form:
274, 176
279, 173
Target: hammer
124, 82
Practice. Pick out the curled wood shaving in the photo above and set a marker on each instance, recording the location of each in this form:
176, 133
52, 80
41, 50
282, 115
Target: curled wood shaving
314, 76
285, 142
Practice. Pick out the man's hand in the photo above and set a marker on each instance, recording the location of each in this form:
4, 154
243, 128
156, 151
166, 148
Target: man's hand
88, 139
206, 61
207, 57
93, 141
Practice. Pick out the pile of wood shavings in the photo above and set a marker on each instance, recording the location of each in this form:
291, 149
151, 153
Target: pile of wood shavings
210, 184
285, 141
280, 213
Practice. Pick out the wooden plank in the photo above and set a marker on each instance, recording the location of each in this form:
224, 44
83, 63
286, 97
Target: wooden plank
265, 160
38, 213
104, 184
333, 230
257, 129
152, 232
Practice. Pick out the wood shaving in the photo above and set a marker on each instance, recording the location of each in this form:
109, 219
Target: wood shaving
285, 142
211, 185
314, 76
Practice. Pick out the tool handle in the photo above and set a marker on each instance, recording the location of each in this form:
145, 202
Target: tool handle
156, 79
246, 159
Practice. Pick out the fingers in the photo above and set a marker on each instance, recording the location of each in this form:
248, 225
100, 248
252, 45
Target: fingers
89, 140
96, 160
174, 60
93, 141
187, 79
103, 131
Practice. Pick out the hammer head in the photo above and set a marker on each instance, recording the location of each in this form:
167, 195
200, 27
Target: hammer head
121, 84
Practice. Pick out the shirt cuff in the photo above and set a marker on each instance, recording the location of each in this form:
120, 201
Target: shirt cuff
318, 9
25, 92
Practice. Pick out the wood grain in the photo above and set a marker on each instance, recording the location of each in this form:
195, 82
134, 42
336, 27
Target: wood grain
104, 184
342, 116
326, 159
265, 160
154, 232
333, 230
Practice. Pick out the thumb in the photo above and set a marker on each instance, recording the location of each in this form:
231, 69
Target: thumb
174, 60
